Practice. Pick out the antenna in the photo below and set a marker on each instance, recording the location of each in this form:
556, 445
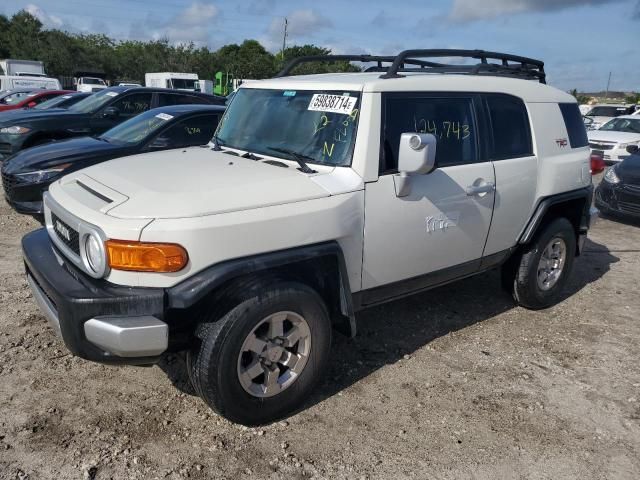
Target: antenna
284, 37
606, 94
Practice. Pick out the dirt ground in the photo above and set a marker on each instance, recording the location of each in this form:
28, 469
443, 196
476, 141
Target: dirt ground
453, 383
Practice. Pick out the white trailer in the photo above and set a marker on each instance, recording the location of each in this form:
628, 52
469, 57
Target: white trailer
178, 81
25, 74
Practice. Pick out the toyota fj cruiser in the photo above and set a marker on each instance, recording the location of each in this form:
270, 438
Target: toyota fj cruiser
319, 195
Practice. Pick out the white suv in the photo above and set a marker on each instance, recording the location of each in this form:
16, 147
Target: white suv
319, 196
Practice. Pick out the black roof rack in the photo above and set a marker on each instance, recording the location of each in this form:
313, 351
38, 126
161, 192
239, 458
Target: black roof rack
411, 61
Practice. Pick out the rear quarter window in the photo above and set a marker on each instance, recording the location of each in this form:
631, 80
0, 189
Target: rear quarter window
511, 133
575, 125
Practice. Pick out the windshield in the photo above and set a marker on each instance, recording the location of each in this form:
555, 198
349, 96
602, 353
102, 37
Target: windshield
137, 128
319, 125
92, 81
52, 102
629, 125
16, 98
607, 111
183, 83
93, 102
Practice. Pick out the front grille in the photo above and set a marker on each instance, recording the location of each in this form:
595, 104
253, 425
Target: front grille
73, 240
601, 146
5, 149
632, 188
9, 183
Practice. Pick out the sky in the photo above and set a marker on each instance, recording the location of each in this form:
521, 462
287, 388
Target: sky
580, 41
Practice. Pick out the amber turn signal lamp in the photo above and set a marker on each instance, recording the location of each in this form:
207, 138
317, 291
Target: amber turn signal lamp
146, 257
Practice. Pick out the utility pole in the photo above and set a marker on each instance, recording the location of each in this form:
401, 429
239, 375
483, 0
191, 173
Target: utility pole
606, 94
284, 37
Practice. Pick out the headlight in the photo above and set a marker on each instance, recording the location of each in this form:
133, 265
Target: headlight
610, 176
39, 176
15, 130
94, 253
625, 145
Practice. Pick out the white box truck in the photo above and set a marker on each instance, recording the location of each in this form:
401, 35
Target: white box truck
25, 74
178, 81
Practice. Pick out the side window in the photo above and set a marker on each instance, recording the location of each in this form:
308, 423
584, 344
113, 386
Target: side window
575, 125
130, 105
450, 119
168, 99
192, 131
511, 134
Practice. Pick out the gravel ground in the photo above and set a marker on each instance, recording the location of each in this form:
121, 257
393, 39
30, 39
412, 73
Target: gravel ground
452, 383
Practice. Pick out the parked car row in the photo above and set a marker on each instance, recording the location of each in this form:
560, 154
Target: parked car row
44, 143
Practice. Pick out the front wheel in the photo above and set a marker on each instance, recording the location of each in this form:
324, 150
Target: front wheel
263, 358
538, 276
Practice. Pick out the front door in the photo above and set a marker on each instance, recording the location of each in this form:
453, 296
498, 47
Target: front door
438, 231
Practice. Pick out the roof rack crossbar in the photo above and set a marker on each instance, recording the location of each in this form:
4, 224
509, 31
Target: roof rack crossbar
379, 59
526, 65
510, 65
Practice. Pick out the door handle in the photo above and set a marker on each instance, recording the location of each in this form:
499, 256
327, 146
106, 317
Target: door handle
486, 187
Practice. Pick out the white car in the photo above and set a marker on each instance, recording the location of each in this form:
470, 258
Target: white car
319, 196
602, 113
90, 84
613, 138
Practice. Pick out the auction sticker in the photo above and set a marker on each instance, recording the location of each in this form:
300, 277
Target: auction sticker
164, 116
112, 94
322, 102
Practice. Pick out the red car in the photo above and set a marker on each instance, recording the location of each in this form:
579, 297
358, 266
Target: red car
24, 99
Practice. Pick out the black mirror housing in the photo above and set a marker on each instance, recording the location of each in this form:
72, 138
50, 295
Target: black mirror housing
111, 112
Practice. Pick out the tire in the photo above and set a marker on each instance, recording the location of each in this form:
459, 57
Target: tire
221, 364
524, 275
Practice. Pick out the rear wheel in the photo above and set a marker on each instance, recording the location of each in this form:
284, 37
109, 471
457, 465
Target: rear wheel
537, 277
262, 359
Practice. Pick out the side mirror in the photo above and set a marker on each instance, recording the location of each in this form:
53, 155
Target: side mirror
633, 149
31, 104
416, 156
111, 112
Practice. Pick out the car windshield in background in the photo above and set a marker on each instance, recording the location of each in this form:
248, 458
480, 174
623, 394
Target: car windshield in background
94, 102
629, 125
137, 128
93, 81
52, 102
183, 83
606, 112
318, 125
16, 98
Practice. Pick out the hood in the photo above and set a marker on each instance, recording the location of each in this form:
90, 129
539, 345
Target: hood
611, 136
22, 117
72, 150
197, 181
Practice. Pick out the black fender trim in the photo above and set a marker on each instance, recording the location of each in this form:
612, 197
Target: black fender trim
198, 286
546, 203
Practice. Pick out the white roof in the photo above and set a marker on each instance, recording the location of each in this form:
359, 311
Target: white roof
528, 90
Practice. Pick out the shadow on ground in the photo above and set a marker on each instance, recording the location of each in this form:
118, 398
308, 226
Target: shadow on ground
388, 332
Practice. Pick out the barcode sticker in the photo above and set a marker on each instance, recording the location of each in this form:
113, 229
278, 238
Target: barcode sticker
322, 102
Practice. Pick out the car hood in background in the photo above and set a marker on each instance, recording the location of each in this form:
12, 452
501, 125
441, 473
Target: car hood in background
22, 117
629, 170
611, 136
196, 182
71, 150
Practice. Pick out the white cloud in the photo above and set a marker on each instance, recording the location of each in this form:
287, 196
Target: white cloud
49, 21
193, 24
470, 10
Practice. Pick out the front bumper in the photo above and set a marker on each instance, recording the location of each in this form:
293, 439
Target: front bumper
97, 320
618, 199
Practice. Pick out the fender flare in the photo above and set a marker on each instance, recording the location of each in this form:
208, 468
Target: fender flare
195, 288
546, 203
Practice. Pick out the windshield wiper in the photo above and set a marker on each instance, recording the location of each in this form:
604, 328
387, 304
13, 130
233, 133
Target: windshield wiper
298, 157
217, 144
